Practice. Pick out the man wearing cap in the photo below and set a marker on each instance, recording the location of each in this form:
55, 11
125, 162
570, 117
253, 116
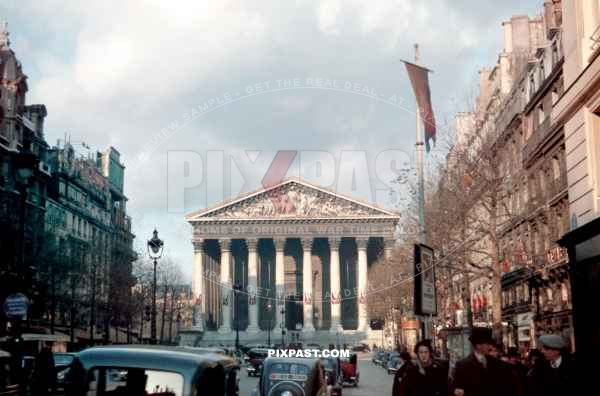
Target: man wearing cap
481, 374
553, 375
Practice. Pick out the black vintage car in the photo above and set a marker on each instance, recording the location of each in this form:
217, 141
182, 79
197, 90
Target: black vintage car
291, 377
333, 374
149, 370
255, 359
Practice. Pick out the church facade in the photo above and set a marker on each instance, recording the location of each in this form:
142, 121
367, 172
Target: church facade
290, 261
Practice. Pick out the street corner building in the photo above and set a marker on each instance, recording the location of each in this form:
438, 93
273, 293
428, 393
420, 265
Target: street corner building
65, 235
301, 255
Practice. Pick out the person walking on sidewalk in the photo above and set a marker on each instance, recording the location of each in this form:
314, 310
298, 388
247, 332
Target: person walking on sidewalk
555, 374
480, 374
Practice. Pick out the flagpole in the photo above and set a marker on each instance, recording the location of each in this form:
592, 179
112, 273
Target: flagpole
419, 145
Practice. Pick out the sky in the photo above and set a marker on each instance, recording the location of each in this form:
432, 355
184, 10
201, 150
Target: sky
132, 74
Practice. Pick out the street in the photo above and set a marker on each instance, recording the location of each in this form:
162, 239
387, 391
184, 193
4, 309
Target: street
374, 380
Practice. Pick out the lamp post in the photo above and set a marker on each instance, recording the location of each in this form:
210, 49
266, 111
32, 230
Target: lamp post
236, 291
155, 250
268, 309
25, 162
282, 326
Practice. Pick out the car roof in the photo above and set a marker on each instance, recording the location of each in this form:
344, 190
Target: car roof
146, 356
299, 360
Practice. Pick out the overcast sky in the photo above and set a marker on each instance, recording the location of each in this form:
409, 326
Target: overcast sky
120, 72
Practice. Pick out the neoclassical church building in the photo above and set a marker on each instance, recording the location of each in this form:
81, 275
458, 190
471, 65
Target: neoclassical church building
289, 261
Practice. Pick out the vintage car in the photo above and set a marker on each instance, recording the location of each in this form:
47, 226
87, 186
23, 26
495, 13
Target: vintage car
291, 377
255, 360
378, 357
350, 370
393, 362
8, 378
333, 375
62, 364
150, 370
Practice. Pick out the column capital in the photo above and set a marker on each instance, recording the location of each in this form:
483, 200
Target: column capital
279, 244
334, 242
198, 245
307, 243
362, 242
252, 243
389, 243
225, 244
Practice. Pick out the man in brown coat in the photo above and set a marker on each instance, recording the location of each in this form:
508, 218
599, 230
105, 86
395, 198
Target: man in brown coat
480, 374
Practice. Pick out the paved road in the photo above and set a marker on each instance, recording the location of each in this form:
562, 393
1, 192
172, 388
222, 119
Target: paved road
374, 381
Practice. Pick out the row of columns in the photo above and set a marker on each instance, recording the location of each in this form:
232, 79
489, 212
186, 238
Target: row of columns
307, 243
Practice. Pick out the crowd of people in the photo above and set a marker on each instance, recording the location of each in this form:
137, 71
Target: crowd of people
488, 370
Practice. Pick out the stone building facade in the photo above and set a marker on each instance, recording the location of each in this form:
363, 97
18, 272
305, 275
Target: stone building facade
89, 231
22, 200
578, 109
513, 112
300, 253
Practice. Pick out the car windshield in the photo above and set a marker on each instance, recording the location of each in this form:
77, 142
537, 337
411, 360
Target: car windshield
288, 371
62, 359
134, 381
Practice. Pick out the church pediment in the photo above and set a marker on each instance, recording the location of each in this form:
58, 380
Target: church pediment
292, 199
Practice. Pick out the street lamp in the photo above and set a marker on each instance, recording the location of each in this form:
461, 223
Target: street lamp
282, 326
155, 250
268, 309
236, 290
25, 162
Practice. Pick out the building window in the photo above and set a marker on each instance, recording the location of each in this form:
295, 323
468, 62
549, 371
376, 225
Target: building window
531, 86
542, 71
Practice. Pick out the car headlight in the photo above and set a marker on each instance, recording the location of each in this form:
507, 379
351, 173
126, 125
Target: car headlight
286, 393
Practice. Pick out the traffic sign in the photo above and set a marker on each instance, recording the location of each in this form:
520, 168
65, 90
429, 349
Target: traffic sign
16, 306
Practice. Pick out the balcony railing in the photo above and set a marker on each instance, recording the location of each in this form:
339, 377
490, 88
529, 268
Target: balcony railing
536, 138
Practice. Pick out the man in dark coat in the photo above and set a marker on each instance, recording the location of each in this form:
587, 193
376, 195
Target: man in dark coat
480, 374
406, 365
555, 374
44, 376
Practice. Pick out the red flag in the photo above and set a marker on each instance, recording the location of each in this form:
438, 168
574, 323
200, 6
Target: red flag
419, 80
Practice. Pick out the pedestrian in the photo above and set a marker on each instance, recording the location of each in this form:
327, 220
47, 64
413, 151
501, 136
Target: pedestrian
480, 374
513, 358
555, 373
44, 376
427, 377
404, 367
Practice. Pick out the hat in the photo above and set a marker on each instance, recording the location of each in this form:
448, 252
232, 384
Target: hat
481, 335
553, 341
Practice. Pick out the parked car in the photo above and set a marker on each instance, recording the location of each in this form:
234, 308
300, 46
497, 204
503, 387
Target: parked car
148, 370
393, 362
291, 377
62, 364
361, 348
254, 364
350, 372
378, 358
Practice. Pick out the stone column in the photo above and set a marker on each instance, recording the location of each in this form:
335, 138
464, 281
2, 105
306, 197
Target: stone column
388, 245
252, 285
335, 284
279, 281
361, 244
307, 284
226, 287
198, 286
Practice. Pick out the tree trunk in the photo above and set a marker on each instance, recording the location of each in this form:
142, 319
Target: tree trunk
496, 275
164, 312
171, 315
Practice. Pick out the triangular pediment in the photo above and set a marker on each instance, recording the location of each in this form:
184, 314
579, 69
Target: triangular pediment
292, 199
